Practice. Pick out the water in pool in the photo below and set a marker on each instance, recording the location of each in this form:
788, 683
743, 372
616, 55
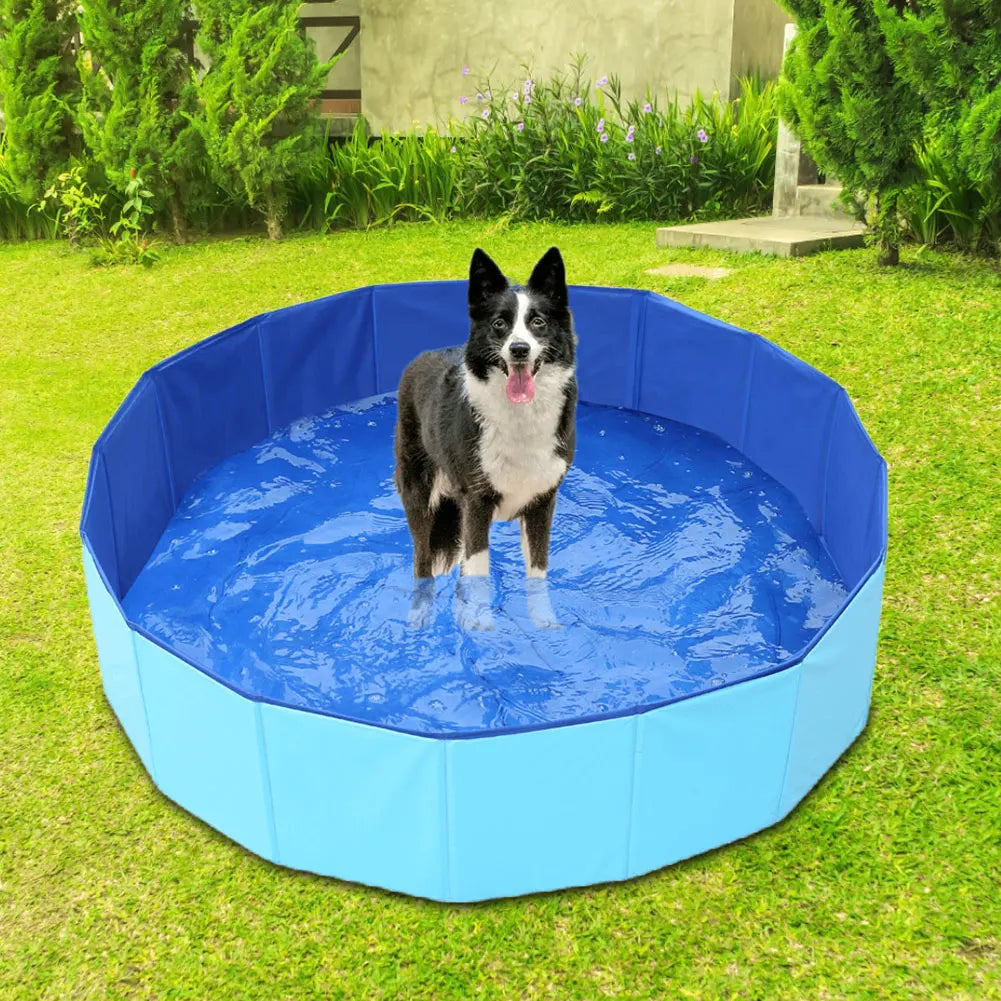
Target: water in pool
677, 566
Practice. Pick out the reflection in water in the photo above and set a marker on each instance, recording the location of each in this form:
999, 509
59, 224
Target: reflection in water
677, 566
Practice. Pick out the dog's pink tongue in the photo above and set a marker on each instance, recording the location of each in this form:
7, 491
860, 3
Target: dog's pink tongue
520, 385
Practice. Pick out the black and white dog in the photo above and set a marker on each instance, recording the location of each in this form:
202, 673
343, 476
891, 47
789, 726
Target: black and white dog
486, 432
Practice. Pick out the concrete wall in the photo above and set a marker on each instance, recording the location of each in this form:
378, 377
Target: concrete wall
758, 29
412, 54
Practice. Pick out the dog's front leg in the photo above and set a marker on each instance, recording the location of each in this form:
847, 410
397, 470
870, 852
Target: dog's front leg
477, 513
473, 593
536, 524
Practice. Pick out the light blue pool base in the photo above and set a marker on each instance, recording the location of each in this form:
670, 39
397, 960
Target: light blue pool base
475, 816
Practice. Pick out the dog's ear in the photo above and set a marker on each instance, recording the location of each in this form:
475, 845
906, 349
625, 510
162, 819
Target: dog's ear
485, 278
549, 277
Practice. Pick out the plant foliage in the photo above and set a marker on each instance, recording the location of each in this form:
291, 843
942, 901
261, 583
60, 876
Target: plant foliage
39, 91
139, 96
859, 118
260, 122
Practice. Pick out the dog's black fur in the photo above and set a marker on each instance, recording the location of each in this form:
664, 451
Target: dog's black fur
465, 453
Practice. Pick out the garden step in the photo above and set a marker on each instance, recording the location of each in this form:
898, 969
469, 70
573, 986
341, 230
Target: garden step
792, 236
820, 200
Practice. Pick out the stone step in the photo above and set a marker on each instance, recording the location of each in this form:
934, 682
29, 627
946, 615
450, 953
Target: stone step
820, 200
792, 236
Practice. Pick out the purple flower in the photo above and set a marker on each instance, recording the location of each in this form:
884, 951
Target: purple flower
452, 150
578, 101
703, 138
629, 137
631, 129
479, 97
528, 99
693, 159
488, 96
520, 126
632, 156
465, 71
529, 87
601, 125
603, 137
515, 96
647, 108
463, 99
601, 82
659, 150
486, 113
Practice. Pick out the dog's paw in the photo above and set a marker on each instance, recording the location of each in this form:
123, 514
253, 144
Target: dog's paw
472, 604
540, 608
421, 603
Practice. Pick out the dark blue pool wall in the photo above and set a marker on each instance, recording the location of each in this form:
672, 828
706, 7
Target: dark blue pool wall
636, 350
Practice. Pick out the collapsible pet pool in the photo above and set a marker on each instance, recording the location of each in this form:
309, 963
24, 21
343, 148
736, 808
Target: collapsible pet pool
703, 655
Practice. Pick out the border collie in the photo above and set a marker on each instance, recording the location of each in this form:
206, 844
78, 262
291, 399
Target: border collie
486, 432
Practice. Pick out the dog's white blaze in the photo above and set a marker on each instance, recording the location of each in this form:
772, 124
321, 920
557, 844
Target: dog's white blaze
518, 440
520, 332
477, 565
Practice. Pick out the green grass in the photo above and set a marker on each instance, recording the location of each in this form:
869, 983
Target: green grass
883, 883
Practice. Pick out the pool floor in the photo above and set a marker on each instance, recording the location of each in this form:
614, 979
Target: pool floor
677, 566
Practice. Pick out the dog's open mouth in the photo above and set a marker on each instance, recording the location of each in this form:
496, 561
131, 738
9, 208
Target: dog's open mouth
521, 383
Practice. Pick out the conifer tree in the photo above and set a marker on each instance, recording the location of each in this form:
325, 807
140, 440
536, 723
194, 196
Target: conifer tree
139, 97
39, 90
260, 122
858, 117
949, 52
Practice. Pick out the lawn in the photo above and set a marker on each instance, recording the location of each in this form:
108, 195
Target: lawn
884, 883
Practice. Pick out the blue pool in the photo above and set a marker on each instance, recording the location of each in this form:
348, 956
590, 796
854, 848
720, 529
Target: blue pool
678, 566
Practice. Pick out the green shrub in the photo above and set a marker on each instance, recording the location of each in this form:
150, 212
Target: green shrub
949, 51
260, 125
39, 90
18, 219
139, 96
858, 117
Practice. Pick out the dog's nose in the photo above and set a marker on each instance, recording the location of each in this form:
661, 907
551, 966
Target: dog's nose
520, 351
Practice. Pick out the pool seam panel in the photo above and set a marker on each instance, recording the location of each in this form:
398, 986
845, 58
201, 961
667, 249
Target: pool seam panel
264, 379
175, 498
777, 812
373, 315
638, 309
142, 700
269, 803
631, 817
447, 840
828, 445
748, 382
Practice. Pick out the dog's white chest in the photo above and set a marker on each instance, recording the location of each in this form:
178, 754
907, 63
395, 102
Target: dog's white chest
518, 441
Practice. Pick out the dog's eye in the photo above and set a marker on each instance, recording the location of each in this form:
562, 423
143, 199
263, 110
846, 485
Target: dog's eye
499, 324
538, 322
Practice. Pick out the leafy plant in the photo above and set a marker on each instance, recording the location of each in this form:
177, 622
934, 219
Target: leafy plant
572, 148
73, 206
397, 177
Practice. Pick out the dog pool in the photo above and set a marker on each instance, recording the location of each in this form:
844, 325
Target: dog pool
678, 566
715, 581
